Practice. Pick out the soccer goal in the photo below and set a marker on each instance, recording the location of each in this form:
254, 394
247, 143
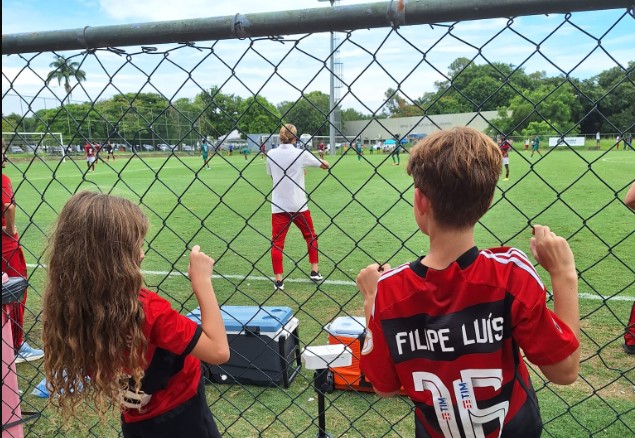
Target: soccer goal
35, 142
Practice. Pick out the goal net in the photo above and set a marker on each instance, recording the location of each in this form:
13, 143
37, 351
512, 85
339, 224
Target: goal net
35, 142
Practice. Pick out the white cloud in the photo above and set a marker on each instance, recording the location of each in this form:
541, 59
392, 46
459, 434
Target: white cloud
398, 54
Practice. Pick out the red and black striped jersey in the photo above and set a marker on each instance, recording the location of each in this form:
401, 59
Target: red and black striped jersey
173, 374
505, 147
452, 339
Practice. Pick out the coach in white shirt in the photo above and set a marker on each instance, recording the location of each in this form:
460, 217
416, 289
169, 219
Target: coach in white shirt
289, 204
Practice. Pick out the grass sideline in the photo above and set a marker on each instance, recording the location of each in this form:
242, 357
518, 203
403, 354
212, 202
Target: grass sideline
362, 211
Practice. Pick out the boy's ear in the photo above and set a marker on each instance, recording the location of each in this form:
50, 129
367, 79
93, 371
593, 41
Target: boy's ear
422, 203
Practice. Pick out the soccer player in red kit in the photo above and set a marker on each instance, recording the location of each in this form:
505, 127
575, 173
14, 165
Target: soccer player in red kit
89, 154
505, 146
449, 326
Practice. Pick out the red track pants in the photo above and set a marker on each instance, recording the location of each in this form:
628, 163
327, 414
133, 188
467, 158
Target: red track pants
280, 223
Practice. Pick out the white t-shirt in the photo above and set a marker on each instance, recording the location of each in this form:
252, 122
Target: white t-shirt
597, 136
286, 166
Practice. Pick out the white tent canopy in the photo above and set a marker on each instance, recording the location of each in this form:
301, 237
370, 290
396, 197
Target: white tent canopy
234, 135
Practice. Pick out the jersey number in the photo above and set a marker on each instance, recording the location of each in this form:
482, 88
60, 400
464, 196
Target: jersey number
472, 417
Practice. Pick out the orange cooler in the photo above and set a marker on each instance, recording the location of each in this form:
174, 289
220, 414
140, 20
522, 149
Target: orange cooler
350, 331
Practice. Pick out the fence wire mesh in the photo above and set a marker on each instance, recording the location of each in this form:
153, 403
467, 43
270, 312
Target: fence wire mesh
150, 108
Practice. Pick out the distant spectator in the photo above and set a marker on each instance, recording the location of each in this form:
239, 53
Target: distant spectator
597, 139
527, 144
617, 142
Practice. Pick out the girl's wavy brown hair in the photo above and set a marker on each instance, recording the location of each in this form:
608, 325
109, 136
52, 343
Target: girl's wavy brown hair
92, 318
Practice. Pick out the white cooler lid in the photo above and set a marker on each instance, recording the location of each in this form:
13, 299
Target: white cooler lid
347, 326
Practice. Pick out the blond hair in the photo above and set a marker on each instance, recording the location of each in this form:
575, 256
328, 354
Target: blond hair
457, 170
288, 133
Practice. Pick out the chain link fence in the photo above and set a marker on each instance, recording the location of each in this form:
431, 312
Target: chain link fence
146, 100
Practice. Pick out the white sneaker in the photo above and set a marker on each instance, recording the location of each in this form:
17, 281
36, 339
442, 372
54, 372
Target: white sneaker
316, 276
26, 353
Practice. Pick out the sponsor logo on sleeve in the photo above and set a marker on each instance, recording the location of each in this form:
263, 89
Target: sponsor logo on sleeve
368, 342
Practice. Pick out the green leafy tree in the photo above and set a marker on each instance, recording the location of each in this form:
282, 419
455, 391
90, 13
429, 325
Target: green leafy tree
310, 113
258, 115
555, 107
63, 70
397, 106
617, 98
220, 111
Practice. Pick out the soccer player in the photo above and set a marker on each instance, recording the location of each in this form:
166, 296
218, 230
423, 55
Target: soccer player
111, 151
535, 146
204, 152
395, 154
359, 149
450, 326
122, 344
505, 146
89, 155
14, 265
287, 166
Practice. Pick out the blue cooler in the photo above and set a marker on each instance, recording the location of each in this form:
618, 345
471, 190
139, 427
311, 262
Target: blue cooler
264, 346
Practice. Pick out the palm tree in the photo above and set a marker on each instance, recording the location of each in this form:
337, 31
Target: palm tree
63, 69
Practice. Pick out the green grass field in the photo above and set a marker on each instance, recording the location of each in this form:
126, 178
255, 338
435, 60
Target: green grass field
363, 213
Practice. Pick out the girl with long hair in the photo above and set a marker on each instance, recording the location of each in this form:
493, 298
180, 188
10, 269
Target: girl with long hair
110, 342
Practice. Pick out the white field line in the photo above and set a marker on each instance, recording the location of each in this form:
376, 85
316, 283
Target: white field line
114, 171
582, 296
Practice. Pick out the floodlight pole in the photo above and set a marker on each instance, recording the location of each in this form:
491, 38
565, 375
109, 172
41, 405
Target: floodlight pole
332, 94
331, 89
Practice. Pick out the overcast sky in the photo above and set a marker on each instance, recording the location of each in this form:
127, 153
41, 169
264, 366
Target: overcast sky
372, 60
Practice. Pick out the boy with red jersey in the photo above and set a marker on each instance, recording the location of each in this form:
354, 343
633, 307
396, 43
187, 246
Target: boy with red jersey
449, 326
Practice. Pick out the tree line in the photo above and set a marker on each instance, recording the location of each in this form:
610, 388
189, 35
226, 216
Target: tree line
526, 103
